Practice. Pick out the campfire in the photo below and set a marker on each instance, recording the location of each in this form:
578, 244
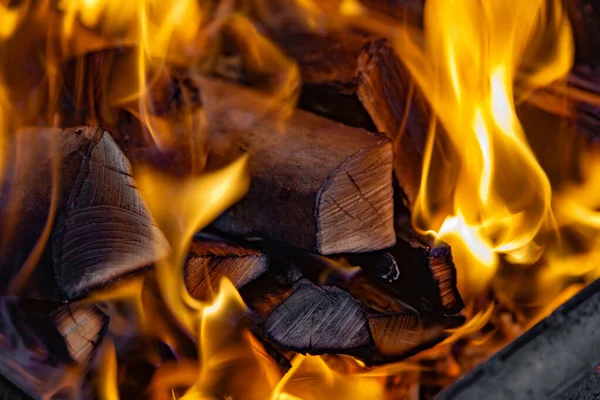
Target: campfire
292, 199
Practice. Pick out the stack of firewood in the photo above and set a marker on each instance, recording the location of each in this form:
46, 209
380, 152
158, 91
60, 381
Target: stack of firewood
321, 247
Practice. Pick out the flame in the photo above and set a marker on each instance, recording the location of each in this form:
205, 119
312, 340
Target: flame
475, 61
311, 378
473, 54
181, 207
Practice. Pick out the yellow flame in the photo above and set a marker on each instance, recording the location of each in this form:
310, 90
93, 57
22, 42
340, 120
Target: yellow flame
229, 352
311, 378
473, 53
181, 206
107, 376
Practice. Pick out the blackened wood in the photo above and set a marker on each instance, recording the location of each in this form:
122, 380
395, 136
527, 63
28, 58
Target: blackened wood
9, 391
319, 320
46, 346
419, 275
443, 270
585, 21
104, 231
327, 65
543, 362
211, 258
316, 184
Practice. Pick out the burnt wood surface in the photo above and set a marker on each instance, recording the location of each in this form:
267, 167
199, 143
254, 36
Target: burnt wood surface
398, 302
316, 184
545, 361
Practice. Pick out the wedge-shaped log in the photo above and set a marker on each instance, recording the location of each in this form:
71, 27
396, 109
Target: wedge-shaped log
319, 320
72, 187
316, 184
46, 347
211, 258
104, 230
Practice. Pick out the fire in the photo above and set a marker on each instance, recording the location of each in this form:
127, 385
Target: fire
475, 61
473, 54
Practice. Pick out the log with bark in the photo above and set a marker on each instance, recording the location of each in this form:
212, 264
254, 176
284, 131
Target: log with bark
46, 347
211, 258
316, 184
96, 222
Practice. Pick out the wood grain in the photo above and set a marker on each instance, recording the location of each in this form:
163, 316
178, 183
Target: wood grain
316, 184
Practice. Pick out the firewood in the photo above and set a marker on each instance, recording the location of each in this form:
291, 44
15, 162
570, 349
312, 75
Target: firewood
410, 277
26, 205
387, 92
319, 320
318, 184
104, 231
327, 65
399, 335
101, 230
265, 294
585, 18
211, 258
46, 346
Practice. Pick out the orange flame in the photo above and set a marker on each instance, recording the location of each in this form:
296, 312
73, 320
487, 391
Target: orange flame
473, 53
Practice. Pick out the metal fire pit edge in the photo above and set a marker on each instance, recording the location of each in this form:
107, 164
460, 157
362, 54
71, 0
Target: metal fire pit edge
556, 359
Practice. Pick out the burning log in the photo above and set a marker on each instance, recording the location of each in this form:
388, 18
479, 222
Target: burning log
386, 90
100, 229
104, 231
318, 185
400, 297
422, 276
211, 259
45, 347
328, 69
319, 320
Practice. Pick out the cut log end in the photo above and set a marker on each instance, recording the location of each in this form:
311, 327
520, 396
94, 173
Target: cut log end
355, 213
104, 232
443, 271
319, 320
210, 260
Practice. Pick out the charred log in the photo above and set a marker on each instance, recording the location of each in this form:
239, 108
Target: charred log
98, 226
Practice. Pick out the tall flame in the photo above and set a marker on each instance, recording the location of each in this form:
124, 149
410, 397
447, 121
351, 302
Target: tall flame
475, 59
